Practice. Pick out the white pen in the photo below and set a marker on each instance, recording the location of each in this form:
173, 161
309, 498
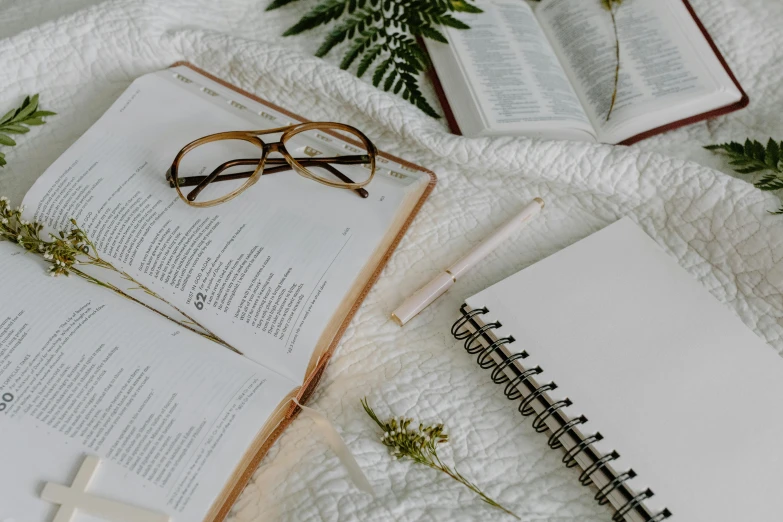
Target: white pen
438, 286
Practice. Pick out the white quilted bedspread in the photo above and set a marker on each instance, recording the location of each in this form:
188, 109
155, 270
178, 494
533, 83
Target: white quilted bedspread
81, 54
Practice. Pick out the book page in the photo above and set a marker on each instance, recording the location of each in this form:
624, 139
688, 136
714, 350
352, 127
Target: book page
265, 271
668, 72
511, 72
84, 371
677, 385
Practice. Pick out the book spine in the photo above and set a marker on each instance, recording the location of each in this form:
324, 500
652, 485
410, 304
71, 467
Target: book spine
521, 384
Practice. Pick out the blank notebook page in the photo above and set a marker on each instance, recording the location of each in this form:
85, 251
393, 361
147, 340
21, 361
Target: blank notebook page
674, 381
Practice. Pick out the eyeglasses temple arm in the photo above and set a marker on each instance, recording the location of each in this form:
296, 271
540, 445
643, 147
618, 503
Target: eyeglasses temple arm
283, 166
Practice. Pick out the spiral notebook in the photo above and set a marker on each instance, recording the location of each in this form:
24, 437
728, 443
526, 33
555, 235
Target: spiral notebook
659, 394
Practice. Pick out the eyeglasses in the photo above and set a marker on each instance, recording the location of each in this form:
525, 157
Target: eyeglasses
221, 166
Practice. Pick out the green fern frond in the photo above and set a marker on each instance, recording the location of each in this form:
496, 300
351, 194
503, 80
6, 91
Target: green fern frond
18, 121
321, 14
383, 32
753, 157
279, 3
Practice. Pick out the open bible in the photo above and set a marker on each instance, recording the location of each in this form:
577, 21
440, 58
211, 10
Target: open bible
179, 420
548, 70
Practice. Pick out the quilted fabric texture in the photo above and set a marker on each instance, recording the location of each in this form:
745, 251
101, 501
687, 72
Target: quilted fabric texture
81, 54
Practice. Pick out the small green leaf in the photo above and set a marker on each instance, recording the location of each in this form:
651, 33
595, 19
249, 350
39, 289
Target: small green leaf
464, 7
772, 154
748, 148
770, 182
29, 107
352, 54
14, 128
368, 60
422, 104
8, 115
43, 114
759, 152
2, 160
276, 4
6, 140
321, 14
389, 80
433, 34
450, 21
380, 71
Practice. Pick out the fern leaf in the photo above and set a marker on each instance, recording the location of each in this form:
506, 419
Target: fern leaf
338, 35
748, 148
357, 48
380, 71
450, 21
773, 154
425, 107
464, 7
367, 60
382, 30
415, 96
748, 170
753, 157
759, 152
431, 33
389, 80
320, 15
769, 182
276, 4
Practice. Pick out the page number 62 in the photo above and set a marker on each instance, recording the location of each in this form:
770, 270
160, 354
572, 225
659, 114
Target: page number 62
200, 300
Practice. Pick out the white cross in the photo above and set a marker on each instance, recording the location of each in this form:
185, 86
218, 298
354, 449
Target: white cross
76, 497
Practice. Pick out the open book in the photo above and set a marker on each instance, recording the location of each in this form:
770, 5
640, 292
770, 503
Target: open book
548, 70
277, 273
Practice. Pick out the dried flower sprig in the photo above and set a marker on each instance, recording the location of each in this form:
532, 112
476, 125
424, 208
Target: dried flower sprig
612, 6
421, 445
69, 251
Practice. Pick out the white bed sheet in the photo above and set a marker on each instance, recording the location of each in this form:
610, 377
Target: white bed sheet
81, 54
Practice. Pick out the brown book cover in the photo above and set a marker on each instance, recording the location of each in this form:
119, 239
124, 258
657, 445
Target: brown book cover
272, 431
741, 104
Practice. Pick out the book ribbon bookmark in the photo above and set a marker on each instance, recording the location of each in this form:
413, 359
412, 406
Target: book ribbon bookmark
338, 445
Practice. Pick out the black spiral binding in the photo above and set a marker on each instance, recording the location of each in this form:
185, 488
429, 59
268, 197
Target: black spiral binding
480, 342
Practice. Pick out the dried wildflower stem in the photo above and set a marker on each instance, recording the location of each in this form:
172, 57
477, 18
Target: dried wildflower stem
70, 250
421, 446
610, 6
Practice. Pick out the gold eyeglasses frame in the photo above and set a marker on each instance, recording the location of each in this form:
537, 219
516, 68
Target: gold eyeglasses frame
288, 161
